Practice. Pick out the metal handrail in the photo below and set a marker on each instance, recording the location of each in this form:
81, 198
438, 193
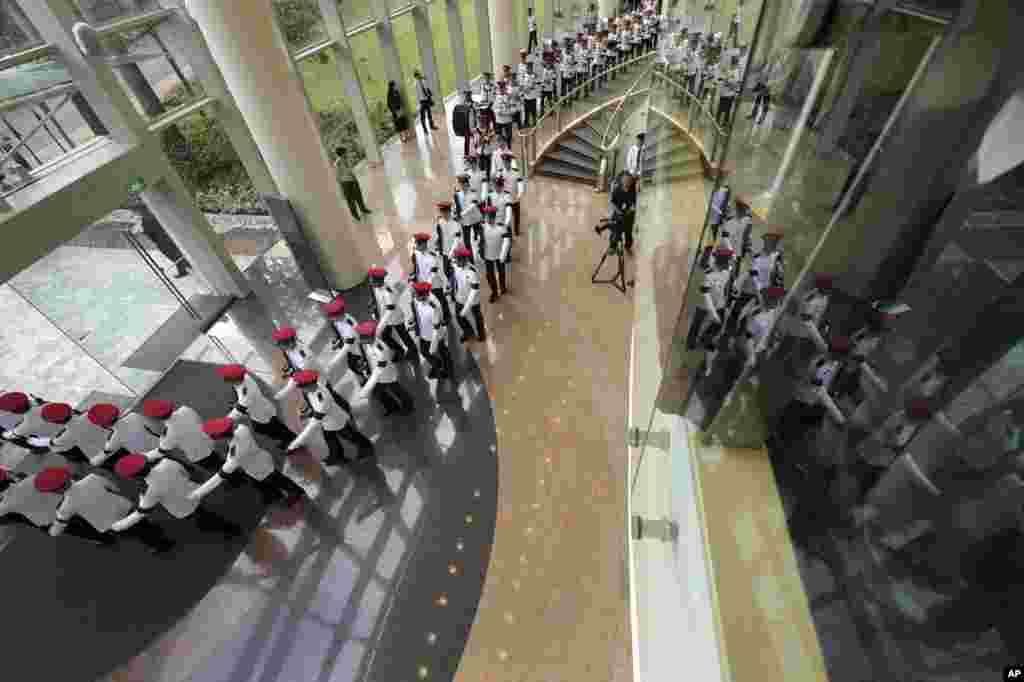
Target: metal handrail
693, 101
607, 144
528, 138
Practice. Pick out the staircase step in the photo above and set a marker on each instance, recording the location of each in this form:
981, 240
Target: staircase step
558, 169
671, 154
568, 156
588, 136
580, 147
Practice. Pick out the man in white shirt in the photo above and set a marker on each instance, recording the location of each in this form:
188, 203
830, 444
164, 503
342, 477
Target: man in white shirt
758, 322
253, 403
531, 28
468, 203
430, 326
33, 501
129, 434
493, 246
548, 80
178, 429
245, 455
346, 343
530, 87
811, 399
332, 416
514, 187
635, 156
384, 374
168, 484
766, 270
96, 501
428, 267
389, 316
504, 112
84, 434
426, 101
467, 296
447, 235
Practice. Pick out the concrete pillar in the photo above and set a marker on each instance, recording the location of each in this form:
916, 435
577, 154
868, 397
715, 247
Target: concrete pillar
391, 56
504, 38
484, 32
253, 57
456, 39
425, 43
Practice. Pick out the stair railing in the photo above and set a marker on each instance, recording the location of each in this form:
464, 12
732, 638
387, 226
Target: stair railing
567, 111
613, 131
693, 114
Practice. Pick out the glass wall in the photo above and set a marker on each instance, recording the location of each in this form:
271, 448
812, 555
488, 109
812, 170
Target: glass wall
17, 32
442, 46
300, 22
356, 12
471, 37
369, 65
103, 11
409, 53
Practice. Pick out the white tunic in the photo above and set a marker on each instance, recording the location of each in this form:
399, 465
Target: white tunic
530, 85
23, 498
634, 159
759, 324
390, 313
184, 431
466, 279
812, 309
380, 357
429, 319
245, 453
168, 484
471, 214
81, 433
253, 402
428, 268
762, 266
301, 359
447, 236
33, 424
714, 285
96, 500
494, 236
504, 109
130, 434
810, 390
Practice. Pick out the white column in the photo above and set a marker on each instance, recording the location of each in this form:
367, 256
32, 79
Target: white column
253, 57
349, 76
425, 43
504, 36
484, 31
392, 59
456, 39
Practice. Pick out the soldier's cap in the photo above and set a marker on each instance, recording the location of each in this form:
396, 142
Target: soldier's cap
377, 272
722, 252
131, 465
15, 402
422, 288
463, 252
334, 308
489, 210
157, 409
232, 372
840, 344
421, 237
919, 408
57, 413
52, 479
307, 378
368, 328
282, 334
823, 282
219, 428
774, 293
103, 415
444, 205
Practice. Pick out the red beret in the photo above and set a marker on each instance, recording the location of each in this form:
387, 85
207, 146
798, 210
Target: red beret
57, 413
823, 282
463, 252
368, 328
334, 308
422, 287
489, 210
231, 372
14, 402
377, 272
103, 415
722, 252
774, 293
219, 428
919, 409
306, 377
444, 205
284, 334
840, 344
421, 237
4, 474
51, 480
159, 409
131, 465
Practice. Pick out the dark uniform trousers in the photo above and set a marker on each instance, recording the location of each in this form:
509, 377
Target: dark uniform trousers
530, 106
470, 234
274, 428
467, 328
698, 338
388, 337
277, 486
75, 455
515, 217
441, 363
491, 266
796, 420
442, 301
394, 397
546, 98
363, 445
733, 323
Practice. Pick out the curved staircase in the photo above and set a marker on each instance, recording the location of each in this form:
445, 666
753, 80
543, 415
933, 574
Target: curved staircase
670, 155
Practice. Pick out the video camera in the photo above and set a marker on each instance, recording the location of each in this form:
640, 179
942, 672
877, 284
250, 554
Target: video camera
614, 223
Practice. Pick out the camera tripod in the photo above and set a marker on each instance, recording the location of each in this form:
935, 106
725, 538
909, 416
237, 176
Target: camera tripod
618, 280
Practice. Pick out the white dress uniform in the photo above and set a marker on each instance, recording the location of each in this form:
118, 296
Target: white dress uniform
813, 389
384, 378
252, 402
428, 267
243, 453
38, 507
496, 241
96, 500
762, 270
388, 309
809, 314
470, 211
429, 322
759, 325
184, 431
447, 236
168, 484
300, 358
79, 432
129, 434
635, 159
467, 283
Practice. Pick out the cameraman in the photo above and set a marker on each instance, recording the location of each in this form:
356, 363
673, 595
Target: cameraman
623, 200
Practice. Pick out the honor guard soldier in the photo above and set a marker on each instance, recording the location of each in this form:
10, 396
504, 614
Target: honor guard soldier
467, 296
548, 82
33, 500
85, 433
503, 201
611, 49
383, 381
880, 450
504, 113
487, 89
529, 85
167, 483
523, 63
296, 357
39, 422
469, 211
515, 186
447, 236
567, 67
178, 429
494, 246
245, 454
129, 434
390, 318
515, 94
429, 323
428, 267
346, 343
757, 324
14, 406
474, 166
97, 501
332, 416
22, 417
721, 208
806, 333
766, 270
253, 403
582, 62
812, 400
598, 60
710, 313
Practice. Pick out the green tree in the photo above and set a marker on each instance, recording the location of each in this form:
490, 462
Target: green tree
298, 20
